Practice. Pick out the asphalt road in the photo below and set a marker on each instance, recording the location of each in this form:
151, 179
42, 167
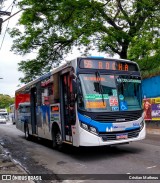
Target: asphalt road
37, 157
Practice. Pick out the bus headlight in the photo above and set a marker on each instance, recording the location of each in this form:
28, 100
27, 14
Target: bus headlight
84, 126
91, 129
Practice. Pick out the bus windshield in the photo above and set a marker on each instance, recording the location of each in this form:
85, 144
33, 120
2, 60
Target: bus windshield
106, 93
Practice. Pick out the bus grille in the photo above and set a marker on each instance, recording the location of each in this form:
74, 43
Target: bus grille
113, 135
118, 117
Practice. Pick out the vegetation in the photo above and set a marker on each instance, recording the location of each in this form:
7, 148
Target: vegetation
5, 101
150, 66
52, 28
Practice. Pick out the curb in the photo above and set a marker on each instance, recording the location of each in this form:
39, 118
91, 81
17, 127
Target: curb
153, 131
9, 167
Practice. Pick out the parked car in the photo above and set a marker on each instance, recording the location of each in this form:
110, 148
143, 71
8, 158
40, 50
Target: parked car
3, 120
3, 112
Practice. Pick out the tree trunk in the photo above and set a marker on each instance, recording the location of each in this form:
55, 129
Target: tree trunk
123, 53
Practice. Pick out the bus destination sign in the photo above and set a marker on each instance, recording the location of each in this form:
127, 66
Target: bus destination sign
107, 65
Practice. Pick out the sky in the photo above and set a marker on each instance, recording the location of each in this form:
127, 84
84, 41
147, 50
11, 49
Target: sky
9, 61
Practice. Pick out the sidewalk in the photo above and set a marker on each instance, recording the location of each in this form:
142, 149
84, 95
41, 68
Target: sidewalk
155, 131
9, 167
153, 127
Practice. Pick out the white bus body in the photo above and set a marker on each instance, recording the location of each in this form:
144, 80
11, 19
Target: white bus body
86, 102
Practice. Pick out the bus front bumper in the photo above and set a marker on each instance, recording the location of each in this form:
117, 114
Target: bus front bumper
89, 139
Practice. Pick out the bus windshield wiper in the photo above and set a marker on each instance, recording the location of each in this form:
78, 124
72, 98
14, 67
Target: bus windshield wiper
100, 85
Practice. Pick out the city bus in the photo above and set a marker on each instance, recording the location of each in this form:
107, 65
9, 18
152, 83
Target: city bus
89, 101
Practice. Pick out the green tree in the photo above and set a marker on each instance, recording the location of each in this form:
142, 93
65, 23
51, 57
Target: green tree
145, 47
54, 27
5, 101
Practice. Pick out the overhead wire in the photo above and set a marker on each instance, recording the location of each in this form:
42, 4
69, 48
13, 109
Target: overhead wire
10, 5
7, 26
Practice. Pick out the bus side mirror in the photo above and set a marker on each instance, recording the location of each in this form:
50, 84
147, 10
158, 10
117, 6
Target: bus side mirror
74, 86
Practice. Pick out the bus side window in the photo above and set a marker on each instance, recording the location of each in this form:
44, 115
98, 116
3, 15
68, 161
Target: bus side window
50, 89
19, 109
71, 102
47, 94
23, 110
51, 93
39, 94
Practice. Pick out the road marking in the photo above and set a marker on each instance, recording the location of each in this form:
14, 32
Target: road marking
81, 165
73, 181
128, 173
151, 167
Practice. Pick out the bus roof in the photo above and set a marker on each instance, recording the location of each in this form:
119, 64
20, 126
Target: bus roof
65, 65
44, 76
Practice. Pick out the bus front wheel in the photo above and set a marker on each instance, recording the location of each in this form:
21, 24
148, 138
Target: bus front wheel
57, 140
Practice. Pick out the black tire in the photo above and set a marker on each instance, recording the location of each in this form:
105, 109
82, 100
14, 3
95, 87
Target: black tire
27, 135
57, 140
13, 122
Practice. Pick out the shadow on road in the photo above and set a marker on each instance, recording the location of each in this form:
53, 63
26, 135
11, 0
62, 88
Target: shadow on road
90, 153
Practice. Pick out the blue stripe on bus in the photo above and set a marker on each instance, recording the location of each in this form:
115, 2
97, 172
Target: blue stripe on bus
100, 126
132, 128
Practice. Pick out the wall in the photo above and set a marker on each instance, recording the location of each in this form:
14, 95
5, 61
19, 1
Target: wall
151, 87
151, 91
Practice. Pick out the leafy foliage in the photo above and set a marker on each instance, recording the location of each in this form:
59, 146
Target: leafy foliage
54, 27
145, 48
5, 101
150, 66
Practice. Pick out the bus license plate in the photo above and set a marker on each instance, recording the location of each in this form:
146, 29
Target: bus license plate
121, 136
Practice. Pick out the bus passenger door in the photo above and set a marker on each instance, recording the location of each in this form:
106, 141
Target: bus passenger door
67, 106
33, 111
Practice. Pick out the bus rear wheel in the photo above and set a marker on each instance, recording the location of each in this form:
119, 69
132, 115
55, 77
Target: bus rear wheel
27, 135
